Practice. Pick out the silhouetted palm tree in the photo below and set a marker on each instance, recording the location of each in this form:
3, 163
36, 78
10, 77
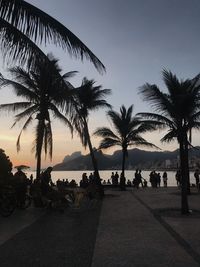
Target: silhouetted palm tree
88, 98
178, 112
46, 92
21, 22
127, 132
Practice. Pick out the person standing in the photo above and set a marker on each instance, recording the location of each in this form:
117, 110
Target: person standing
116, 178
196, 176
178, 177
112, 178
158, 179
165, 179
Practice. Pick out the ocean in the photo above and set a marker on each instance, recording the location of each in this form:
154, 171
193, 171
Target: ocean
105, 175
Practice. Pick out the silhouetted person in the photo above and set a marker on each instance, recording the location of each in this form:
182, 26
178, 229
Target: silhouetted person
116, 178
196, 176
129, 183
153, 179
139, 178
165, 179
158, 179
112, 178
178, 177
145, 183
91, 177
84, 181
122, 182
46, 181
135, 179
31, 178
21, 183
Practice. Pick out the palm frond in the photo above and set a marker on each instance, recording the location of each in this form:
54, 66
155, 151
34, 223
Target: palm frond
60, 116
159, 101
13, 107
17, 47
41, 27
105, 132
19, 89
108, 142
171, 81
145, 144
26, 124
170, 136
154, 117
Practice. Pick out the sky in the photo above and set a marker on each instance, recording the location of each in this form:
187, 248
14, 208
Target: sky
135, 40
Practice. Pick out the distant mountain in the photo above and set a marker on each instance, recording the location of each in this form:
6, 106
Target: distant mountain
137, 158
72, 156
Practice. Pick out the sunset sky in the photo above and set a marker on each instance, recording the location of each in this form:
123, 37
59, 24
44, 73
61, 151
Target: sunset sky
135, 40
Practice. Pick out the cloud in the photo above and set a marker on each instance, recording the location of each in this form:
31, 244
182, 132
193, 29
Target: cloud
8, 138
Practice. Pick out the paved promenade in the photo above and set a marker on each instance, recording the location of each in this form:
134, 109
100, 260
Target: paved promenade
141, 228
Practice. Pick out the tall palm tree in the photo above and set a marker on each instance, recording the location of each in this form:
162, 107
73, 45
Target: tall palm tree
21, 24
45, 92
178, 112
127, 132
88, 97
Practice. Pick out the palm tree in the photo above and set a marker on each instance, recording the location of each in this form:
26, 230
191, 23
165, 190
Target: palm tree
127, 132
88, 98
45, 91
178, 111
22, 25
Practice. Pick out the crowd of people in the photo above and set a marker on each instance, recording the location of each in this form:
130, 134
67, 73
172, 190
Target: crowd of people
138, 180
44, 186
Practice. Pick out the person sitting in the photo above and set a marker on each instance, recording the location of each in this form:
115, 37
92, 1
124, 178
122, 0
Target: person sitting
104, 182
144, 182
128, 183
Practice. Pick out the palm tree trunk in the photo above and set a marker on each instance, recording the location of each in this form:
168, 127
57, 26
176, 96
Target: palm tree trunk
39, 142
122, 178
100, 188
184, 197
94, 162
187, 167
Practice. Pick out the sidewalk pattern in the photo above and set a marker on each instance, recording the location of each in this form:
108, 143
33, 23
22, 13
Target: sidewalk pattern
129, 235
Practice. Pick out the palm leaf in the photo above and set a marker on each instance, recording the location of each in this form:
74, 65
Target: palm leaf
60, 116
105, 132
17, 47
28, 121
108, 142
14, 106
41, 27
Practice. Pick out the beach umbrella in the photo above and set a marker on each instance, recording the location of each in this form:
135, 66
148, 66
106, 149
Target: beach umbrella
25, 167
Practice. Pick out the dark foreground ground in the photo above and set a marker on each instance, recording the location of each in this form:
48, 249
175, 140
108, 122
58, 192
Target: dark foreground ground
54, 240
141, 228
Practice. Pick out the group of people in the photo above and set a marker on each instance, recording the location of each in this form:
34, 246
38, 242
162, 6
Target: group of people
19, 183
138, 180
47, 187
92, 185
155, 179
